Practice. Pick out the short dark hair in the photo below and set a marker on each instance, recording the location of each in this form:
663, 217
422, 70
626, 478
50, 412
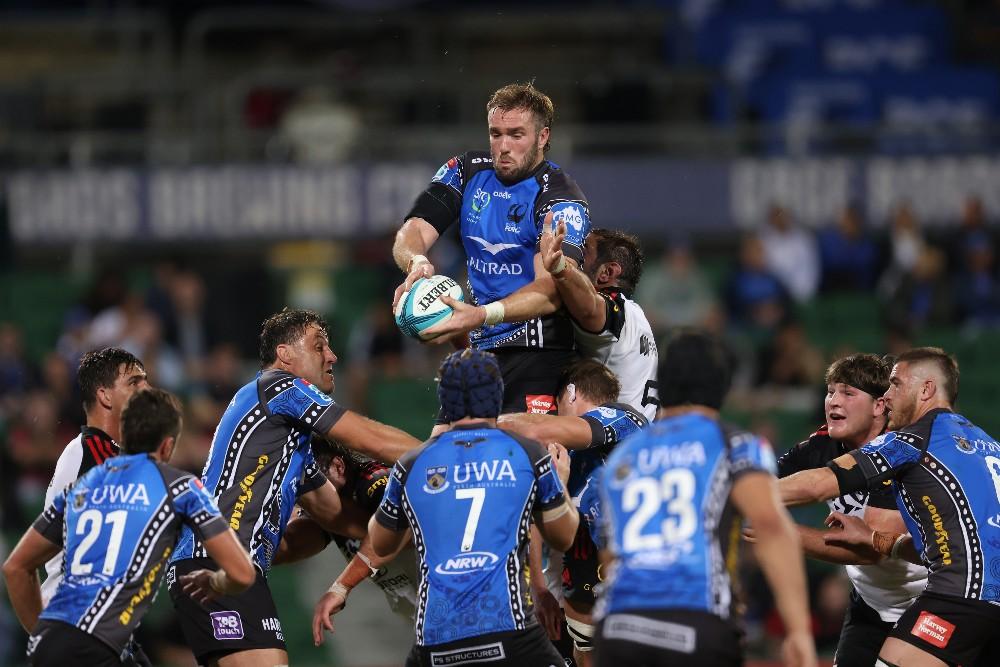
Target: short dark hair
946, 363
867, 372
592, 379
325, 450
149, 416
524, 96
285, 328
614, 245
100, 368
694, 370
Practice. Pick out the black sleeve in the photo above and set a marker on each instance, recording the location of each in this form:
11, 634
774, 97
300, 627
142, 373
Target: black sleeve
561, 195
794, 460
882, 496
439, 205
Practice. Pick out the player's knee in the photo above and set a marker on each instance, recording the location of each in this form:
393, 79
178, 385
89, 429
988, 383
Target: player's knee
582, 634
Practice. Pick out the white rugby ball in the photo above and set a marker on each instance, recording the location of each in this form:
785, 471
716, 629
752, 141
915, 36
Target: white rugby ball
421, 307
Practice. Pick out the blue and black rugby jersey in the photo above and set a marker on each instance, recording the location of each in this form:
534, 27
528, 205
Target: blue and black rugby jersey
667, 518
118, 525
469, 495
500, 228
946, 473
609, 425
261, 460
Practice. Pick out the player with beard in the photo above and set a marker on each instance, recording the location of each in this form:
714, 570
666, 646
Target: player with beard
882, 588
501, 199
945, 472
610, 327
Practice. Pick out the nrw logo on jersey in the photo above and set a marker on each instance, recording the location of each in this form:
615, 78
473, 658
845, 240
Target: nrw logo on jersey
472, 561
437, 479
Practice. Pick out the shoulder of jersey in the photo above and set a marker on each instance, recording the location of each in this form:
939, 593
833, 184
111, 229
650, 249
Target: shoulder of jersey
474, 162
822, 434
558, 183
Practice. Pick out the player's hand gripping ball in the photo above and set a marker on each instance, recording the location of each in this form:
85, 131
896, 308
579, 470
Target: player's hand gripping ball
421, 307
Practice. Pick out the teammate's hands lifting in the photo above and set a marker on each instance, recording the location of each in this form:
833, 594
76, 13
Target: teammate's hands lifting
328, 605
420, 269
548, 612
798, 650
551, 242
847, 530
198, 584
560, 461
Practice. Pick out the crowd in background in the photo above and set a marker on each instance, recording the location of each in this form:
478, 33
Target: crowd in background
749, 292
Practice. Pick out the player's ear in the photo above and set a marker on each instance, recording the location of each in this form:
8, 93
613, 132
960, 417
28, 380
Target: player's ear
543, 137
284, 353
612, 271
878, 407
166, 449
104, 397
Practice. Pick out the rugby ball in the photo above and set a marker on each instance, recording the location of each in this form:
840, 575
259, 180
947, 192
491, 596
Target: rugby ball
421, 307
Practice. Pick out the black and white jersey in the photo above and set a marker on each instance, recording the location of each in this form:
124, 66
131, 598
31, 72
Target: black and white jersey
627, 346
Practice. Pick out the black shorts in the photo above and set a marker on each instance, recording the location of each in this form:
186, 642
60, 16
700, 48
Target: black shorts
862, 636
229, 623
530, 377
520, 648
57, 644
649, 638
581, 569
950, 628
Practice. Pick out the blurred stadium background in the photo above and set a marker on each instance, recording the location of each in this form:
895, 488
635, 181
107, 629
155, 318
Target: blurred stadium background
809, 177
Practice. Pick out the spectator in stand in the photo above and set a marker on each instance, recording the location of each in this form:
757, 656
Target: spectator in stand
972, 225
976, 290
791, 254
849, 256
922, 296
755, 297
16, 373
790, 360
675, 292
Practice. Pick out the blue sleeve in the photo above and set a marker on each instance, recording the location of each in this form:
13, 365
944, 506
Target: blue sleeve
390, 513
305, 403
50, 522
750, 453
550, 489
881, 458
198, 509
450, 174
609, 425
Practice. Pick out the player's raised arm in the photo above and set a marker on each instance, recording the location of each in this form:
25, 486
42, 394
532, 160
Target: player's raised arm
413, 240
576, 291
819, 484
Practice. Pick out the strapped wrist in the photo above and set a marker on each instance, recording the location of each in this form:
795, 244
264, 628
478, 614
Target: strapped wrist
884, 543
494, 313
894, 552
217, 582
340, 589
560, 266
414, 260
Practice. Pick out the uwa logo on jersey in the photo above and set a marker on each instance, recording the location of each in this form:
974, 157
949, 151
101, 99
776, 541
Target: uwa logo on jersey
484, 471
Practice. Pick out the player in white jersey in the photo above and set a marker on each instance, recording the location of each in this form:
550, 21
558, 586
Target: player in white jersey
608, 325
107, 379
883, 588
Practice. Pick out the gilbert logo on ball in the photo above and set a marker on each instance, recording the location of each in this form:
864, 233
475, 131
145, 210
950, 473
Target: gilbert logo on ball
421, 307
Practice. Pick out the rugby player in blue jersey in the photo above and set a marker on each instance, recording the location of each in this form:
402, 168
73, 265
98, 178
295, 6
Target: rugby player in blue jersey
669, 499
469, 496
119, 523
260, 466
501, 199
945, 472
591, 422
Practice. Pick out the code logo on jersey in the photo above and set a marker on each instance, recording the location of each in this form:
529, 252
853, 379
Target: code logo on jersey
226, 625
472, 561
437, 479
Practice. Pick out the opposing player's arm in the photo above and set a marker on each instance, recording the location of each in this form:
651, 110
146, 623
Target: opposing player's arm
577, 293
303, 538
20, 571
819, 484
755, 496
888, 540
570, 432
374, 439
341, 518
